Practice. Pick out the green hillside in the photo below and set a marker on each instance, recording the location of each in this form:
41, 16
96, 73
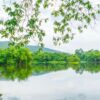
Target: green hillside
4, 44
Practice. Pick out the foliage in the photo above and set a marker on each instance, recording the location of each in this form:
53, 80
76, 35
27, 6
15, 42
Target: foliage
19, 62
73, 58
15, 63
89, 56
24, 21
14, 56
47, 57
20, 56
79, 56
92, 56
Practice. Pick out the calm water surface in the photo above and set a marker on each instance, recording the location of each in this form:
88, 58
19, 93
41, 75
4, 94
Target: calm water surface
56, 85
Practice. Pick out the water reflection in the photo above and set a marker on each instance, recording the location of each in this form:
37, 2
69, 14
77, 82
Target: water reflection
79, 68
80, 96
67, 83
13, 98
23, 72
0, 96
90, 67
14, 72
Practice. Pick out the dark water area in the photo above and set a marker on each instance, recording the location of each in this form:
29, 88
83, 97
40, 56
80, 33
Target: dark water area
50, 82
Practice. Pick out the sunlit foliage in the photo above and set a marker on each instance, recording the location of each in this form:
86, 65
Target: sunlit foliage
14, 56
24, 21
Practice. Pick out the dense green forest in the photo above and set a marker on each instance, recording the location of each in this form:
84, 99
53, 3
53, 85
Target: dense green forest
20, 56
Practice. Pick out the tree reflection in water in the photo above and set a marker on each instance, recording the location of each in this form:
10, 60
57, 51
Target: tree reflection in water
23, 72
15, 72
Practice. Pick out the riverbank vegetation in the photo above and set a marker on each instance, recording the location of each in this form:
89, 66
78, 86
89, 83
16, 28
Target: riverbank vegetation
20, 56
20, 62
15, 56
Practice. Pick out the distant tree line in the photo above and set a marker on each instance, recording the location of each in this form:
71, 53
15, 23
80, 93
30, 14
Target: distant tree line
88, 56
78, 57
20, 56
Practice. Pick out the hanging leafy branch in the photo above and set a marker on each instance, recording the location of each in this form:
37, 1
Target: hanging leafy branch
24, 21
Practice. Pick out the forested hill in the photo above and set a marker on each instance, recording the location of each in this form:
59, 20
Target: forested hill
4, 44
35, 48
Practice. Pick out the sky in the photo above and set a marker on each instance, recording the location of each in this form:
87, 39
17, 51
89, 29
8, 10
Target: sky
89, 39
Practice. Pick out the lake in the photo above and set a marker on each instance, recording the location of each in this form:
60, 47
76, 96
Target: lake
73, 82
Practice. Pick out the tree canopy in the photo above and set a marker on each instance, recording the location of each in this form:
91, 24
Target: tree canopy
24, 19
